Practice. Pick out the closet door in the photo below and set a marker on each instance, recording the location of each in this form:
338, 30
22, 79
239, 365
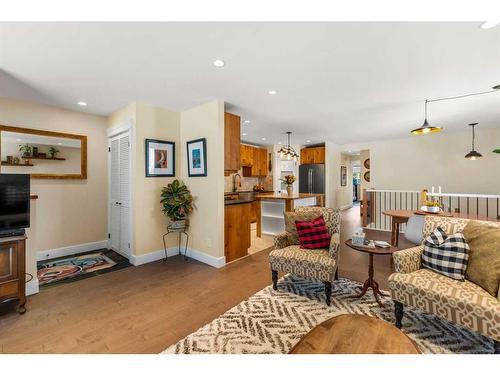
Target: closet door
119, 204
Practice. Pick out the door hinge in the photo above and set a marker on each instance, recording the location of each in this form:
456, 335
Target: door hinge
129, 245
109, 235
109, 149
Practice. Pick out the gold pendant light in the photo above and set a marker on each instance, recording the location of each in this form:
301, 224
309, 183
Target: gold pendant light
473, 154
426, 128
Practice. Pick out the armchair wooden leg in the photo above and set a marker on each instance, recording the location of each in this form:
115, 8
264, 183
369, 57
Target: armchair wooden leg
274, 275
336, 274
398, 313
496, 345
328, 292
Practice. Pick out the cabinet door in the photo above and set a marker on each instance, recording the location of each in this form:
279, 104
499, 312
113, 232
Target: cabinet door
231, 142
306, 156
255, 162
245, 155
319, 155
8, 262
263, 162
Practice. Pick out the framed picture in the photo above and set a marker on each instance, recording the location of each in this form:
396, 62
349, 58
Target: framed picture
343, 176
160, 158
197, 157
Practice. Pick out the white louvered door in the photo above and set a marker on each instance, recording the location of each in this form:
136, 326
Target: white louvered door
119, 194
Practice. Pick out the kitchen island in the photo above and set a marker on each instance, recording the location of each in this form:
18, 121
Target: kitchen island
272, 207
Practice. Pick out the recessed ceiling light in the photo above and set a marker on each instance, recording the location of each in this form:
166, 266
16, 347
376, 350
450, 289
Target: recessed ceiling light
219, 63
272, 92
18, 139
246, 121
59, 143
308, 141
280, 142
489, 24
83, 104
243, 133
263, 139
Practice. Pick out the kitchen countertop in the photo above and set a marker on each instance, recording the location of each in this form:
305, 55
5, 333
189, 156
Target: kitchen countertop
230, 202
286, 196
247, 191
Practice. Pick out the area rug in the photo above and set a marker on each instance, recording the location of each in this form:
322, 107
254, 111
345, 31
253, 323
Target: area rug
56, 270
274, 321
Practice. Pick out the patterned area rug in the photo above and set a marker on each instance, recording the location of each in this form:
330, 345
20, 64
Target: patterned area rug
274, 321
69, 267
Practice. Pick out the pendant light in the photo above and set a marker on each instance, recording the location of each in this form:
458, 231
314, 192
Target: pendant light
288, 151
426, 128
473, 154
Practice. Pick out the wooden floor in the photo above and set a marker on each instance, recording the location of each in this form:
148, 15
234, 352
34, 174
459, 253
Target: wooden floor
145, 309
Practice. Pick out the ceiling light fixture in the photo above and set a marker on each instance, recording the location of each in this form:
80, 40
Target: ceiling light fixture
243, 134
219, 63
308, 141
426, 128
59, 143
82, 104
489, 24
18, 139
288, 151
263, 139
246, 121
272, 92
473, 154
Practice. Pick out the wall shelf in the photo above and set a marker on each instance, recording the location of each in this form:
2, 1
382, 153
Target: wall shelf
16, 165
40, 158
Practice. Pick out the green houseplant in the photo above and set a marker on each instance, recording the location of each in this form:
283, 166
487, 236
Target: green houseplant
177, 203
25, 150
53, 152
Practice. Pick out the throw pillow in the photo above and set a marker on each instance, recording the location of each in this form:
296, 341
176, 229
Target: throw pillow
313, 234
483, 268
291, 217
445, 254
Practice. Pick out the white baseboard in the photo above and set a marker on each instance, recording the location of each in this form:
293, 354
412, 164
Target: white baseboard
137, 260
70, 250
32, 287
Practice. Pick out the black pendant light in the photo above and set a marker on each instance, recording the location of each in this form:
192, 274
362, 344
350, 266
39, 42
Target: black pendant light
288, 151
473, 154
426, 128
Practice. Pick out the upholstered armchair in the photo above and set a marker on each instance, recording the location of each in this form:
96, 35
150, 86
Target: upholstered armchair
316, 264
461, 302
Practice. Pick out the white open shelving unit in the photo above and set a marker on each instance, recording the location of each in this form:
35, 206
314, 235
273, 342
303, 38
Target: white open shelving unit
273, 213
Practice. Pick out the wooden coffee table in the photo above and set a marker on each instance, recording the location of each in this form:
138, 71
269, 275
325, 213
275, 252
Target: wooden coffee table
371, 282
355, 334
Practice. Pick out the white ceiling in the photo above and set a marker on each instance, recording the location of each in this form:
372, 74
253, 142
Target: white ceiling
343, 82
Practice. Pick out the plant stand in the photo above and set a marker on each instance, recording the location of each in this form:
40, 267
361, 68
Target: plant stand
179, 231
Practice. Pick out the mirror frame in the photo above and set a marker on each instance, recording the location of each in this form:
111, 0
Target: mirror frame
57, 176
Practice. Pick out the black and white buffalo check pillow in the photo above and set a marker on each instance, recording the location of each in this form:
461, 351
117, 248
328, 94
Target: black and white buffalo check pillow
447, 255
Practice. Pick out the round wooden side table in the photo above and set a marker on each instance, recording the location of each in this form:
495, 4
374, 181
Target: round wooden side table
355, 334
371, 282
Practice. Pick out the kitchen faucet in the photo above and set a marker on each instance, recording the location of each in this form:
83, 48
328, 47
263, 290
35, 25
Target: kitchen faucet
234, 181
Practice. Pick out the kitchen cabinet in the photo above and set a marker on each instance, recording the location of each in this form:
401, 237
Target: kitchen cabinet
231, 143
254, 161
237, 230
312, 155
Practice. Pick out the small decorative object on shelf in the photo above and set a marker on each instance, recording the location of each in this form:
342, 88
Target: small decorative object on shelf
177, 203
358, 237
35, 151
53, 152
25, 149
289, 179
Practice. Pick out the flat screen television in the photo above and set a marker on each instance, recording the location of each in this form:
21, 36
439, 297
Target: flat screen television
14, 203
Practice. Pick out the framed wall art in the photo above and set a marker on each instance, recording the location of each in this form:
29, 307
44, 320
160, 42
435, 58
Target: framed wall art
197, 157
160, 158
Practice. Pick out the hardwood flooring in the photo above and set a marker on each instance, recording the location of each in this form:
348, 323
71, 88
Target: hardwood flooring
147, 308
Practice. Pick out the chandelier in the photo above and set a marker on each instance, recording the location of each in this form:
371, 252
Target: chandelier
288, 151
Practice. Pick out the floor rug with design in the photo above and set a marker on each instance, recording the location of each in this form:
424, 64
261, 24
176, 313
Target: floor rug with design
69, 267
274, 321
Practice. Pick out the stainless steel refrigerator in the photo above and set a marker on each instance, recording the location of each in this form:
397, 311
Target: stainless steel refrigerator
312, 178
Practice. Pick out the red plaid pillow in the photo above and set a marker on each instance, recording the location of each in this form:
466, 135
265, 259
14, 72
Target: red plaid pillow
313, 234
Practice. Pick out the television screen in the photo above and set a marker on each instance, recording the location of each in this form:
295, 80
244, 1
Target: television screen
14, 201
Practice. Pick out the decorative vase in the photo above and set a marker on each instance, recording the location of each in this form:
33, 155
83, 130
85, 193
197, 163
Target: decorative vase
289, 189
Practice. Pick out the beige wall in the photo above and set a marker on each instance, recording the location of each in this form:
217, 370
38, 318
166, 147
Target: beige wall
419, 162
149, 222
64, 207
207, 220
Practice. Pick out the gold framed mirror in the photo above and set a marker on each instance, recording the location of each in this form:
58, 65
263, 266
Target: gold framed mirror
43, 154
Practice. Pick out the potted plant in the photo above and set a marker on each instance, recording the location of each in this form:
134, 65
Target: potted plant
25, 150
433, 207
289, 179
177, 203
53, 152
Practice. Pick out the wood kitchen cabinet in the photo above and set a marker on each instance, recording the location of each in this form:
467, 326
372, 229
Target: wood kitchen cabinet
312, 155
231, 143
237, 240
254, 161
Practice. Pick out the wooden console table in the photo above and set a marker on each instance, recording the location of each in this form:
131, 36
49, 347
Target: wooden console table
13, 270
